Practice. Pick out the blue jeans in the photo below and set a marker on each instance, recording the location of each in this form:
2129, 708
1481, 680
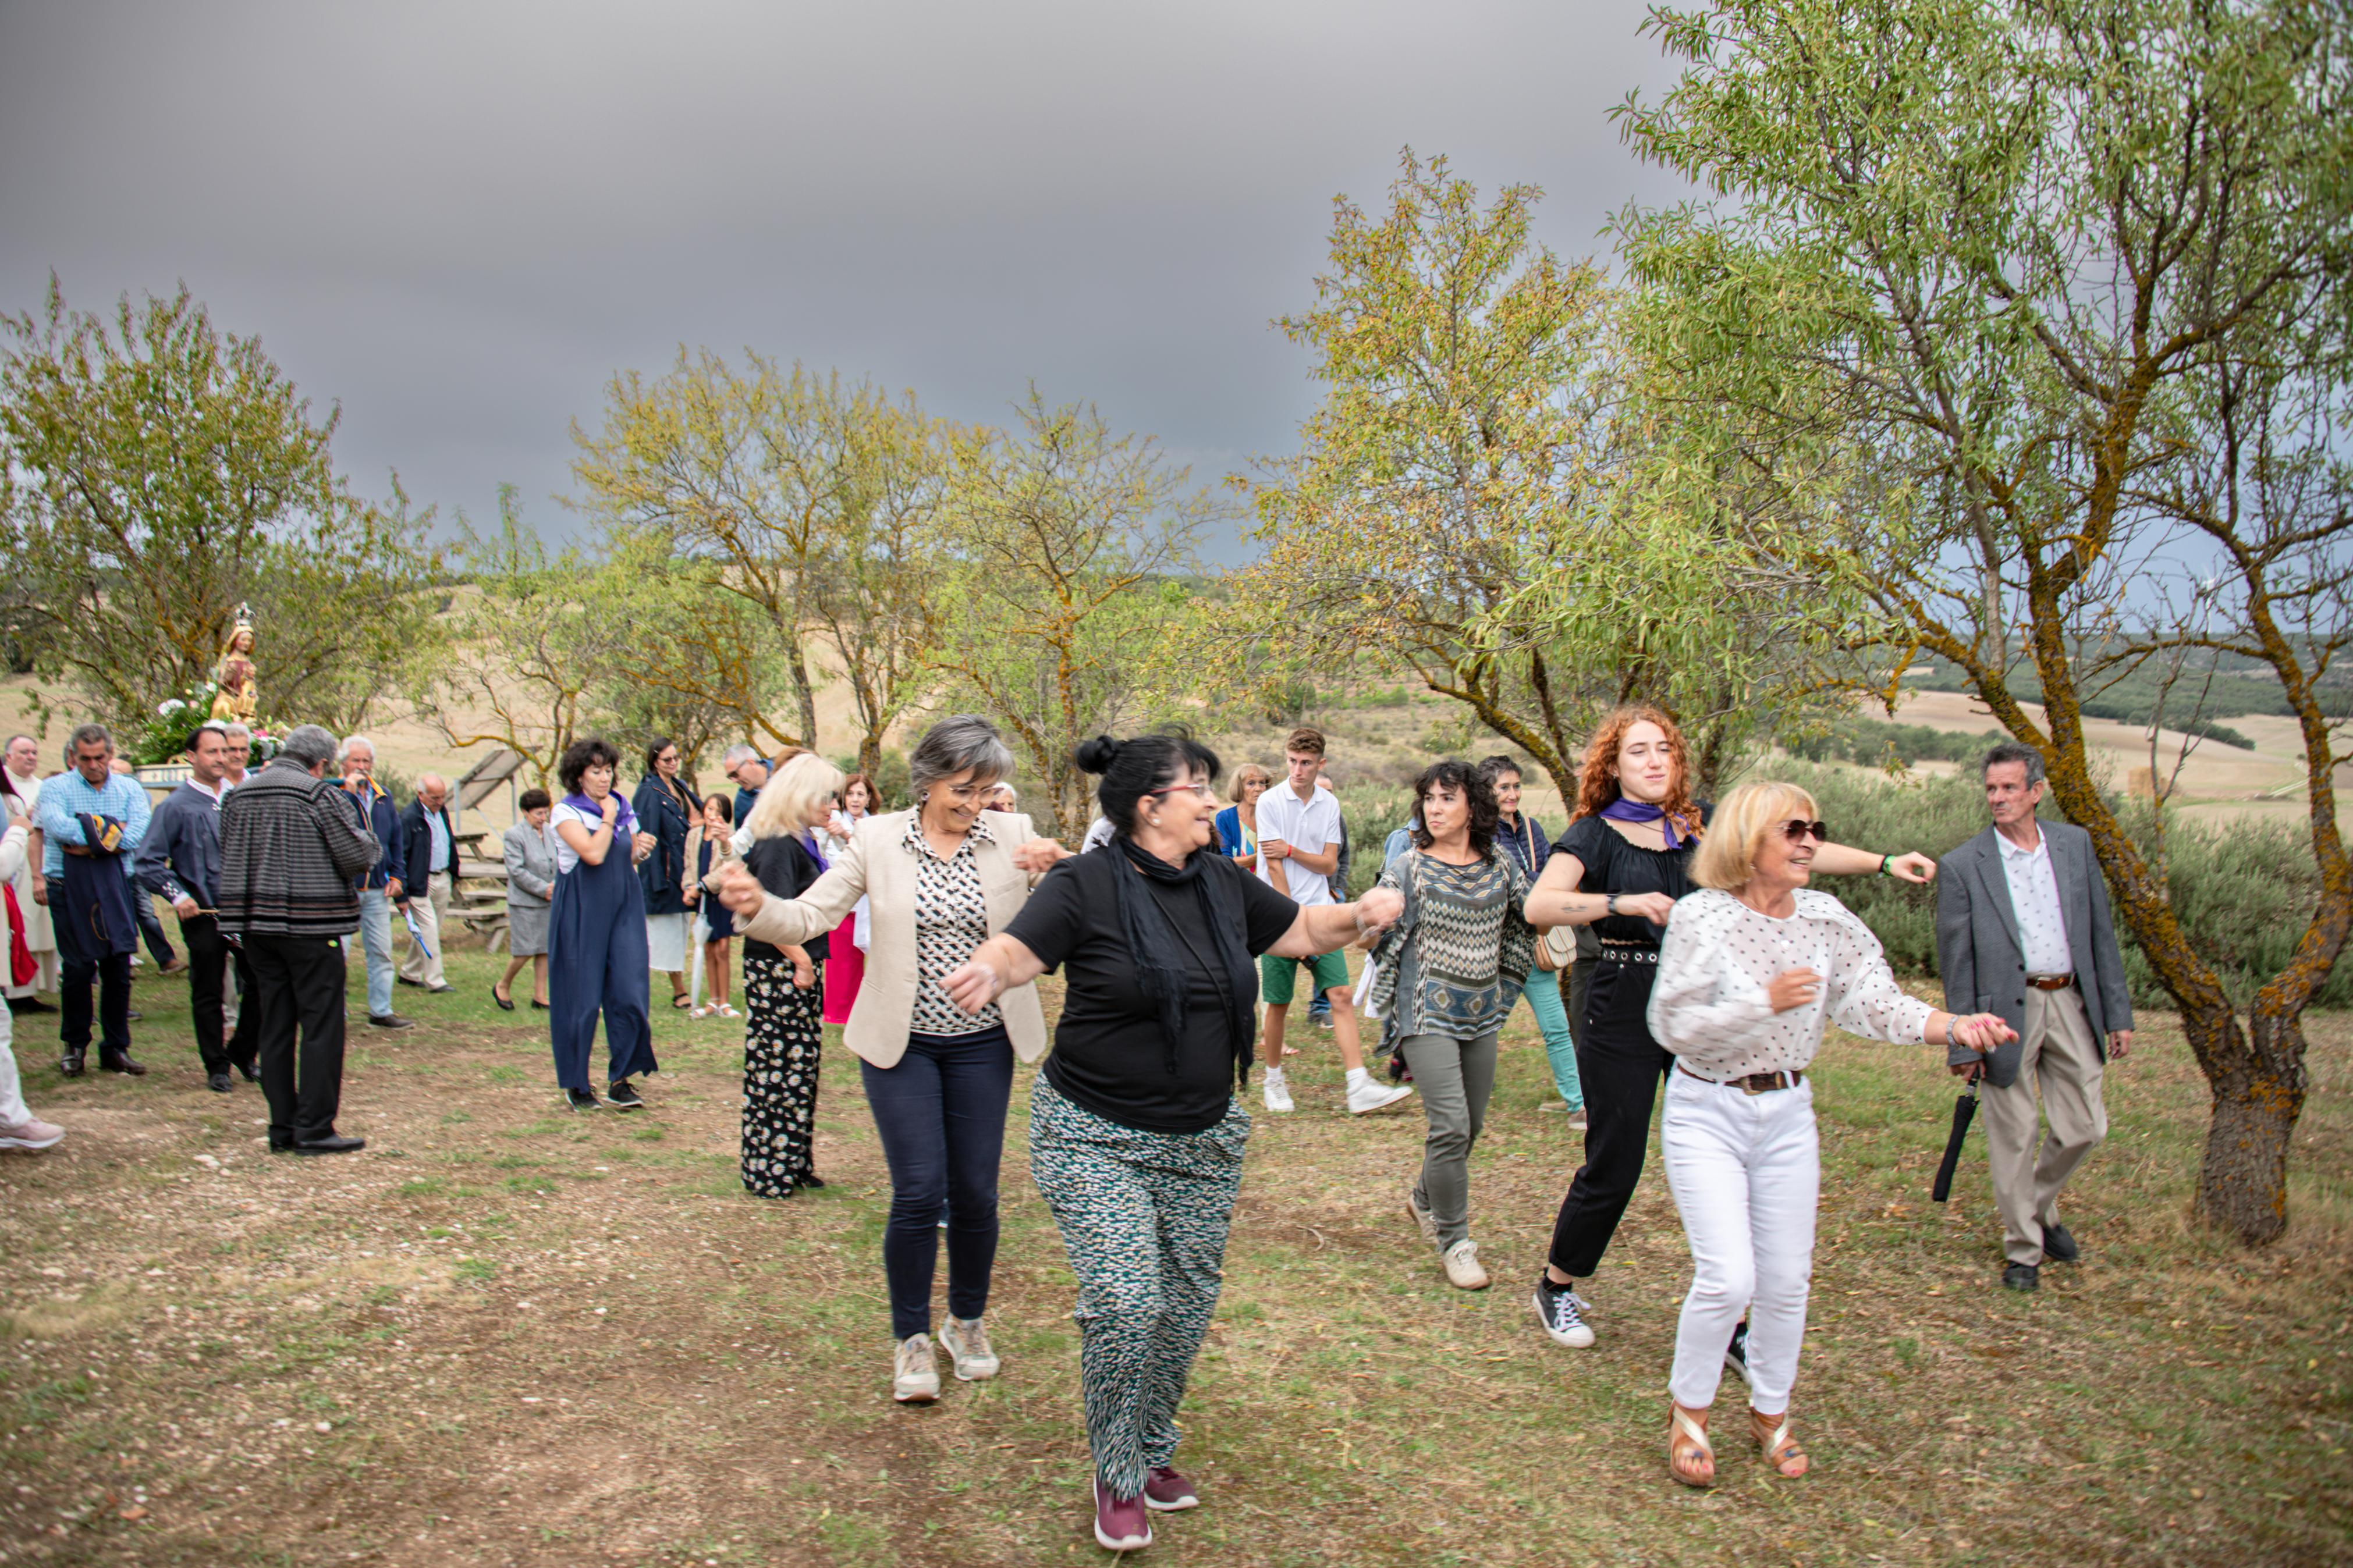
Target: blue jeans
375, 939
1543, 994
940, 1111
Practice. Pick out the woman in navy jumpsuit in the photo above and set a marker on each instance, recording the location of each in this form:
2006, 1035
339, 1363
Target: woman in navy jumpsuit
597, 933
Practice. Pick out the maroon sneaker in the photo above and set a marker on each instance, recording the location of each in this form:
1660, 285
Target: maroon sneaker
1121, 1523
1166, 1490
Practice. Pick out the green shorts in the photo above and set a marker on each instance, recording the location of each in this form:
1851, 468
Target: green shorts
1275, 974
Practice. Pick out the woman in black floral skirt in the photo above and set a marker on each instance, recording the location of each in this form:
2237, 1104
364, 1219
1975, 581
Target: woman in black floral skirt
783, 1035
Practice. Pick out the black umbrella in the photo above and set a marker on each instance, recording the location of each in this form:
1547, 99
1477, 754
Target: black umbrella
1964, 1110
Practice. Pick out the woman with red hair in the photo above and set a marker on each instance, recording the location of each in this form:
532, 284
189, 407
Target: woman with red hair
1620, 866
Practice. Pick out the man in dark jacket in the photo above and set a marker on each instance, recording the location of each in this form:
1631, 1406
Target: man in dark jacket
382, 892
2023, 929
290, 847
430, 840
180, 859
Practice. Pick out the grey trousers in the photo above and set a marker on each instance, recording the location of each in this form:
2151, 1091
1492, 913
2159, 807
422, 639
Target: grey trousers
1455, 1077
2061, 1061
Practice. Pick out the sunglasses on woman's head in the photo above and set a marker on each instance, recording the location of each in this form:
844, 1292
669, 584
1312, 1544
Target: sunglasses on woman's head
1796, 827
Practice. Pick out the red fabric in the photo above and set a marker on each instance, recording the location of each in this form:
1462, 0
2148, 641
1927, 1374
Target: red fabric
21, 967
845, 967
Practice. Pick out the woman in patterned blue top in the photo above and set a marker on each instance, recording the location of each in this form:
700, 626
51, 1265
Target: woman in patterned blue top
1448, 976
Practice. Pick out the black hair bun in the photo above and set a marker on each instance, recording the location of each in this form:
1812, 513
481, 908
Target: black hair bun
1097, 755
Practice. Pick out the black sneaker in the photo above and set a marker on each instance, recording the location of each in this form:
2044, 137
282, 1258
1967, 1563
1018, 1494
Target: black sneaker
582, 1099
1561, 1311
622, 1096
810, 1180
1736, 1354
2058, 1247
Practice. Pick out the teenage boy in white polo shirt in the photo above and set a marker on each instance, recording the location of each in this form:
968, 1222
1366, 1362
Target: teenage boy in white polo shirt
1299, 848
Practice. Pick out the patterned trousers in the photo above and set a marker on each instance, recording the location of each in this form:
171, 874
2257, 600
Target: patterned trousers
1143, 1218
784, 1046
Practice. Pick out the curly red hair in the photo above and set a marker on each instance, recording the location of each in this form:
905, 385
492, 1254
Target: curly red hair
1597, 783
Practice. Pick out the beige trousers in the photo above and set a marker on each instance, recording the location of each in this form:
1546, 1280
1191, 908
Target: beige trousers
2061, 1061
414, 964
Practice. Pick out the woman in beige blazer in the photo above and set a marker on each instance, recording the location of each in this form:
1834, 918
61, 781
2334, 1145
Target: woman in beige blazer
939, 880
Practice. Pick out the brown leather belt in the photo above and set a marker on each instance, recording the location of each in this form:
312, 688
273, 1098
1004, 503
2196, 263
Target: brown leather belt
1755, 1083
2051, 982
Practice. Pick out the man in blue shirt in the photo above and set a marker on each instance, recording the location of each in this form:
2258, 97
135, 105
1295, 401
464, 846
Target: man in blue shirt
382, 892
180, 859
91, 788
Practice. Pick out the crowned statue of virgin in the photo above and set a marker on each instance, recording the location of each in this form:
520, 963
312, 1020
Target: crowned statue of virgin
236, 698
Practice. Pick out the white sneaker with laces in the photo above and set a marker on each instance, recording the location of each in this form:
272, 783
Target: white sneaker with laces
968, 1344
914, 1376
1562, 1311
1371, 1095
31, 1134
1278, 1093
1462, 1269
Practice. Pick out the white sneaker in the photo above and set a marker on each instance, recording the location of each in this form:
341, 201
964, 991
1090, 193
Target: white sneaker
914, 1376
1462, 1270
1423, 1220
968, 1344
31, 1134
1278, 1093
1372, 1095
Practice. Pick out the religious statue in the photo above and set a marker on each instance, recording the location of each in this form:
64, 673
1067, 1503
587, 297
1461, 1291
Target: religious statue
236, 700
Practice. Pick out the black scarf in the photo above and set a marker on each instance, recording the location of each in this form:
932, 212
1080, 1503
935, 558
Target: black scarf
1159, 950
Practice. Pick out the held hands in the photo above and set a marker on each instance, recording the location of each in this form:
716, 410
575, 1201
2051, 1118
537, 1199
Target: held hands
1790, 989
1653, 907
1037, 854
1978, 1032
1379, 909
973, 985
738, 890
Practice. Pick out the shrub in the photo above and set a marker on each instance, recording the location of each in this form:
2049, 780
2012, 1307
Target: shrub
2243, 893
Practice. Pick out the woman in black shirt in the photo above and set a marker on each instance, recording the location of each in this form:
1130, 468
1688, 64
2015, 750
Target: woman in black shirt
784, 1029
1619, 867
1135, 1135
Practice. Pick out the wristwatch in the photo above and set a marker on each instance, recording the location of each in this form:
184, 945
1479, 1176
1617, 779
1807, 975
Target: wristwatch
1610, 904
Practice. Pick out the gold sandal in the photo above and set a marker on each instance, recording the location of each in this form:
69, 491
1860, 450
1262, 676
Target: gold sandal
1679, 1466
1780, 1448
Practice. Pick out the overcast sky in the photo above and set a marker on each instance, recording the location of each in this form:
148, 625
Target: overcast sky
459, 220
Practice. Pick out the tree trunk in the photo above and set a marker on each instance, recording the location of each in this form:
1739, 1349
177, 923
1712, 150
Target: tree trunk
870, 758
2258, 1095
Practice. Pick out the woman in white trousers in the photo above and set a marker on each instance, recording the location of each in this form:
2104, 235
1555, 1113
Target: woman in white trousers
1751, 971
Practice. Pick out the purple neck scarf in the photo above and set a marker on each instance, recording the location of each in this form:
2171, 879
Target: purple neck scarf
625, 821
1625, 810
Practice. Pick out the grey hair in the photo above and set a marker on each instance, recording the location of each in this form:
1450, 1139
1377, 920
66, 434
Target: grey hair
308, 744
239, 728
957, 743
344, 752
737, 755
2014, 752
87, 735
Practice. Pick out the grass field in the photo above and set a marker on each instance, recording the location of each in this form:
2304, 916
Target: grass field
505, 1334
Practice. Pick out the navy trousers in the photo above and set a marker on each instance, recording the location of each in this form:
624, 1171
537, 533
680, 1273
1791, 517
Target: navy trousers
941, 1115
597, 962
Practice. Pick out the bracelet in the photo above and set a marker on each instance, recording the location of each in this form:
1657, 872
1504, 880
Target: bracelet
1884, 860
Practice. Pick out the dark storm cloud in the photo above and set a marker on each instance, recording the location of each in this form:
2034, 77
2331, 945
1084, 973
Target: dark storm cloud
458, 221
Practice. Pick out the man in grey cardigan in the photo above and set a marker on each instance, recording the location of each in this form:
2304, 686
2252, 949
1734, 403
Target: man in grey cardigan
2023, 930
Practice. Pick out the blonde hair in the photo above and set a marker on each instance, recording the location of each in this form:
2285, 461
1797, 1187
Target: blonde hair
786, 801
1727, 857
1246, 773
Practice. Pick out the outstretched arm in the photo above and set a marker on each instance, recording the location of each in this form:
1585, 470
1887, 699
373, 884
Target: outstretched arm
1840, 861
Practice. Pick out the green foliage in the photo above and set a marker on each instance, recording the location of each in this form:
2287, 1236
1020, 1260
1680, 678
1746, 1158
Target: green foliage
2243, 892
1370, 813
156, 476
2138, 699
890, 777
1874, 742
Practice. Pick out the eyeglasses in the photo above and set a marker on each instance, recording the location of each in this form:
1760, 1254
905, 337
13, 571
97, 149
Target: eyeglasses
1796, 827
1202, 792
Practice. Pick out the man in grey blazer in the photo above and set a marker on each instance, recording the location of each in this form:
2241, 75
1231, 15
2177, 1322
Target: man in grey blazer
2023, 930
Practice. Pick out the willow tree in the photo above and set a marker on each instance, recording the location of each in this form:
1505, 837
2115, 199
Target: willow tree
1066, 544
2039, 309
1471, 505
157, 475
